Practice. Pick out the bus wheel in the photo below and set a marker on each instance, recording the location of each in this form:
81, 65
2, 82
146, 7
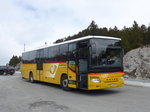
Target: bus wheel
31, 79
1, 72
64, 83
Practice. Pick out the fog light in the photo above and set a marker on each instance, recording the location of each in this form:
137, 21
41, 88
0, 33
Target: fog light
95, 80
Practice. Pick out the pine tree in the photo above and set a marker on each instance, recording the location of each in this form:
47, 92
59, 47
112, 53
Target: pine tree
93, 28
132, 37
14, 61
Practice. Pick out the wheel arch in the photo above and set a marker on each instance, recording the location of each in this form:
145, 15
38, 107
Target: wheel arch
63, 74
31, 77
30, 73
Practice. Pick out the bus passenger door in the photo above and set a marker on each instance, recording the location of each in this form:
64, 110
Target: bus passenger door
72, 66
83, 64
39, 61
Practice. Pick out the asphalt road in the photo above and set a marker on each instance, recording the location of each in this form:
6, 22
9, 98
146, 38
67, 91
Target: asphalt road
18, 95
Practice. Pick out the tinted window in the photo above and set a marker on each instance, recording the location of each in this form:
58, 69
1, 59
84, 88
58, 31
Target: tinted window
24, 56
72, 50
42, 53
83, 66
40, 59
50, 52
32, 56
29, 56
53, 53
83, 52
63, 49
63, 52
37, 54
72, 46
46, 53
72, 65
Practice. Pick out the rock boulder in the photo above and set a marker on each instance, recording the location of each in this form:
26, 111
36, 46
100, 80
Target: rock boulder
137, 63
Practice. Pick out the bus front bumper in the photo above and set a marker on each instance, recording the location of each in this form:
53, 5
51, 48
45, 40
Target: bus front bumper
105, 80
103, 85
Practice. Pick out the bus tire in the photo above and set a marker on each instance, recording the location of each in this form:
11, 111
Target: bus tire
11, 73
64, 83
1, 72
31, 79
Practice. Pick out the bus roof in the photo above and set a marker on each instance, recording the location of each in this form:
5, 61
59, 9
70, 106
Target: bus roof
78, 39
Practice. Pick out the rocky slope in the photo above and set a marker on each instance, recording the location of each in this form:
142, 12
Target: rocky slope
137, 63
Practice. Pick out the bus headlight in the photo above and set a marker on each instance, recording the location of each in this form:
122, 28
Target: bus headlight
95, 79
122, 78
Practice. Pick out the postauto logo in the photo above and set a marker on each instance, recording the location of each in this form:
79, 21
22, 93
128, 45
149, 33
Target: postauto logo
53, 69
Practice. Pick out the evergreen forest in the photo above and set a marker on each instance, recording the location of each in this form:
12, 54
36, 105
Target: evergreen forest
132, 37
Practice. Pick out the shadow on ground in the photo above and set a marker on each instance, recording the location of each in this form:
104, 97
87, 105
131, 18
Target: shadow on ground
80, 91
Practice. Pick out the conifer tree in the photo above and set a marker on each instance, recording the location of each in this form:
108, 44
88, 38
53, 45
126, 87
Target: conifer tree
14, 61
132, 37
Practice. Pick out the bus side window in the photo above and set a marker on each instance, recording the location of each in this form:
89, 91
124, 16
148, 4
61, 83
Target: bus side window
54, 54
32, 56
46, 54
50, 54
63, 52
72, 56
83, 53
72, 50
25, 57
39, 59
72, 65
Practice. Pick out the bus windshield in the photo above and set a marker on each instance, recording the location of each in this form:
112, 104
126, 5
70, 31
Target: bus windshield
105, 53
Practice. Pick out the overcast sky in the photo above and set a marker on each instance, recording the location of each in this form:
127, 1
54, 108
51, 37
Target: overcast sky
34, 22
